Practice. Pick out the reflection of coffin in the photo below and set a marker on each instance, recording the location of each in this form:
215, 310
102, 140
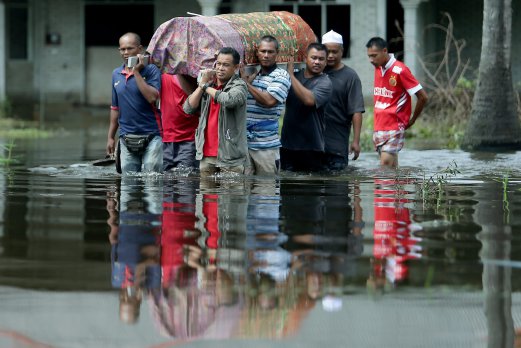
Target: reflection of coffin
184, 45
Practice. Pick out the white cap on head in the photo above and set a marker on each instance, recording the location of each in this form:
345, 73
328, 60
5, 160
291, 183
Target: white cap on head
332, 37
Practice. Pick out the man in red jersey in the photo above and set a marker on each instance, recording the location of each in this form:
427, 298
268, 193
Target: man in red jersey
394, 85
178, 127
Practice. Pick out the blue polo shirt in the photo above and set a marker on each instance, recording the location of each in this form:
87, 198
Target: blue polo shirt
136, 114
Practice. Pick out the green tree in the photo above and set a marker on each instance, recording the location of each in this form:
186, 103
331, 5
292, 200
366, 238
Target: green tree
494, 122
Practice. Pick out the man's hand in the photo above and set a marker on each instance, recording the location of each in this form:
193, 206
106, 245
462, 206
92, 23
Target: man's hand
291, 66
139, 66
207, 75
110, 146
355, 150
247, 78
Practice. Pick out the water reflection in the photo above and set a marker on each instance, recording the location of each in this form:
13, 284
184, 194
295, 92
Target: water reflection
394, 245
166, 260
215, 265
135, 250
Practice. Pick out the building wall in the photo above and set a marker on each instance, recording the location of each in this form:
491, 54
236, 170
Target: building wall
63, 71
168, 9
363, 27
61, 66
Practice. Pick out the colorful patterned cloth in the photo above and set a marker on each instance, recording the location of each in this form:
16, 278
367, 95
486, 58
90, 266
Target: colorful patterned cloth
253, 26
184, 45
303, 32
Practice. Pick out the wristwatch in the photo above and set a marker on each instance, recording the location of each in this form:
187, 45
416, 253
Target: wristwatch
204, 86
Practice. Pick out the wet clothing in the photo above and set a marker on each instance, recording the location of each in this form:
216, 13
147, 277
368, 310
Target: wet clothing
263, 162
263, 122
233, 146
346, 99
179, 154
301, 161
136, 114
394, 85
303, 128
389, 141
211, 132
150, 161
177, 125
137, 117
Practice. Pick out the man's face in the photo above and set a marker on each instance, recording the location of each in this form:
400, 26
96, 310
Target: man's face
316, 61
267, 54
225, 68
334, 54
377, 56
128, 47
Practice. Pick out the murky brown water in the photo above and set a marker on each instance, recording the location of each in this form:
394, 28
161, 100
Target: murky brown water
361, 259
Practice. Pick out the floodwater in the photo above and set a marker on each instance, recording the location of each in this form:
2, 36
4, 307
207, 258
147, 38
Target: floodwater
419, 257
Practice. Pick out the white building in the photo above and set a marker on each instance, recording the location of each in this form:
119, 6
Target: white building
63, 51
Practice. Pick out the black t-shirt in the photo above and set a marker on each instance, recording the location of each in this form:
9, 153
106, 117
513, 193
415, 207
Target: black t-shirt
303, 127
346, 99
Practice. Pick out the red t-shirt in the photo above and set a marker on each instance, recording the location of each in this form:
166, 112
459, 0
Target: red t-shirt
211, 212
393, 86
177, 125
211, 132
176, 219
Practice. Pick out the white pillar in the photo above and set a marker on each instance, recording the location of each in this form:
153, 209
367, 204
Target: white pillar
381, 18
410, 14
209, 7
3, 58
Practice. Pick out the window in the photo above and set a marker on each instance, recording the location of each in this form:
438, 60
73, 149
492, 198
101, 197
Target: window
105, 23
18, 30
225, 6
322, 16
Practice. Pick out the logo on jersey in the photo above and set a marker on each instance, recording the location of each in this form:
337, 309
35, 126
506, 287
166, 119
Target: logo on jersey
116, 83
397, 70
392, 81
383, 92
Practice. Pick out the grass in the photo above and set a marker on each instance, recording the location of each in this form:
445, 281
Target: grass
18, 129
8, 157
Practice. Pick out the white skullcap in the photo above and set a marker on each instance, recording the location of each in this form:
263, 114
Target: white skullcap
332, 37
331, 303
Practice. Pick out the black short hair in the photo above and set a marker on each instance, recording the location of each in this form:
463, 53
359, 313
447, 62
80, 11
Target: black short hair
317, 46
269, 38
233, 52
376, 42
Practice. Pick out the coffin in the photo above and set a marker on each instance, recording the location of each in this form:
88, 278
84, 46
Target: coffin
185, 45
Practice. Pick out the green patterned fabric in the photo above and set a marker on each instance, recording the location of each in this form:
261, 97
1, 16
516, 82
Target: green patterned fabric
253, 26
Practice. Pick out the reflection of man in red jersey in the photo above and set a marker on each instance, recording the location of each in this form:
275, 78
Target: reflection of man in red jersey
394, 85
393, 243
178, 233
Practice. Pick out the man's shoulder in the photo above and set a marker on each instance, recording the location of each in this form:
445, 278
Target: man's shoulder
345, 73
118, 70
398, 67
236, 82
350, 71
151, 69
324, 79
279, 72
